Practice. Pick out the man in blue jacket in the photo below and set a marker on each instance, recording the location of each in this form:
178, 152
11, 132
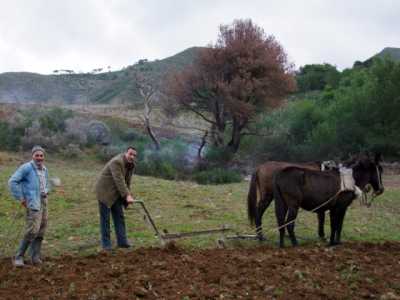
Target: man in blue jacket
29, 186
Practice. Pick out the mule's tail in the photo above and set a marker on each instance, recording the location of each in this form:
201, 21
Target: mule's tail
252, 199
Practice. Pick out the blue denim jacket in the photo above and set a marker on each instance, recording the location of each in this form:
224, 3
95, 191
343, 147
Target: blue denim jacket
24, 184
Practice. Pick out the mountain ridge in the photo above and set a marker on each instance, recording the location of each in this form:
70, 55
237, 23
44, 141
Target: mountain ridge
112, 87
73, 88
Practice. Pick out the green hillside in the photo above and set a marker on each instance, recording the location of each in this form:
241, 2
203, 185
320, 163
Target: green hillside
388, 52
109, 87
393, 53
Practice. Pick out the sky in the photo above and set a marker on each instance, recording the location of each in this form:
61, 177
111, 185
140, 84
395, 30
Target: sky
45, 35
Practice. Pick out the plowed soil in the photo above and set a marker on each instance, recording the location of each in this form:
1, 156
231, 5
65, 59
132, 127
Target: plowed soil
349, 271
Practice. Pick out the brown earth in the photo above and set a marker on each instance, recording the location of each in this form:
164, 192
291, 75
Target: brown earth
349, 271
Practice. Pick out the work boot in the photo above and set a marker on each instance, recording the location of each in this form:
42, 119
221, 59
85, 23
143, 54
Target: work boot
19, 256
125, 245
35, 251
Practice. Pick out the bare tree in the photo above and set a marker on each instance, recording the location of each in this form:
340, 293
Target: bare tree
149, 92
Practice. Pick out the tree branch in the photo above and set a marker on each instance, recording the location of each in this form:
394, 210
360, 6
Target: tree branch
198, 113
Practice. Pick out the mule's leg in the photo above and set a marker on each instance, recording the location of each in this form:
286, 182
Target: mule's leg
321, 224
333, 213
341, 215
280, 213
292, 215
262, 206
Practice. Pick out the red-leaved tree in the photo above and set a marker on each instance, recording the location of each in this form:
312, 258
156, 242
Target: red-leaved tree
245, 72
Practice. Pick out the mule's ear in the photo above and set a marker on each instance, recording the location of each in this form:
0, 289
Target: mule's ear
378, 157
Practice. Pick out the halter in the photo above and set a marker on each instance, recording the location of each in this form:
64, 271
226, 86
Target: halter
364, 199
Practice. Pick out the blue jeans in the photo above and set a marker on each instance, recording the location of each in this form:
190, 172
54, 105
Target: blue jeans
119, 224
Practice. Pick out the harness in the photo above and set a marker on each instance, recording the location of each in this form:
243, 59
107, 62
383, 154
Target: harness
347, 182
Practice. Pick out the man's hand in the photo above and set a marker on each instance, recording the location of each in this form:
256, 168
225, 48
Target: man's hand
23, 203
129, 199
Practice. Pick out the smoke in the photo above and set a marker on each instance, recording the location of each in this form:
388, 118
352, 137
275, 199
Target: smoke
180, 154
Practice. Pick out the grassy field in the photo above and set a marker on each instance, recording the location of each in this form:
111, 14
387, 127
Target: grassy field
175, 206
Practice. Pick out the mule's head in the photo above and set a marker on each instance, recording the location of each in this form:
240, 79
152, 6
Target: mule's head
368, 170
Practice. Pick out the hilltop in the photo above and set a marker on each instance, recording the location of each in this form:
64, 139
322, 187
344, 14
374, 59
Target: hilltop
388, 52
108, 87
391, 52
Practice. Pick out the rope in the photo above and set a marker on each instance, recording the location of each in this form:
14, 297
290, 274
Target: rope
259, 228
316, 208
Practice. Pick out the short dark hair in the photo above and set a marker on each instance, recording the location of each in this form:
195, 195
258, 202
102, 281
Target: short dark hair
130, 147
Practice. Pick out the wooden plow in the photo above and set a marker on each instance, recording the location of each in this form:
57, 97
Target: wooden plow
164, 236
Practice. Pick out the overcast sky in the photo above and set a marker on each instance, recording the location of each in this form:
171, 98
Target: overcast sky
44, 35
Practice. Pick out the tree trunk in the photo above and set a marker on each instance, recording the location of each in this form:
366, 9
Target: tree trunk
151, 134
147, 111
237, 128
203, 143
217, 135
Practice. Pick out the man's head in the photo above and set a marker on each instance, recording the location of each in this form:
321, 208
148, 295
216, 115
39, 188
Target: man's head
131, 154
38, 155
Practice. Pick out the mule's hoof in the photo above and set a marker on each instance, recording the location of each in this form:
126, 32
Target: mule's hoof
221, 244
334, 244
261, 238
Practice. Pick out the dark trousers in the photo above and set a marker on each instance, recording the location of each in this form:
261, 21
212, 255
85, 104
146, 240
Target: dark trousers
119, 224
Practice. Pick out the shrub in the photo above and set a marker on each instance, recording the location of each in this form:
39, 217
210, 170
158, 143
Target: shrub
108, 152
76, 131
53, 120
217, 176
5, 136
99, 133
157, 168
72, 151
216, 157
129, 135
10, 136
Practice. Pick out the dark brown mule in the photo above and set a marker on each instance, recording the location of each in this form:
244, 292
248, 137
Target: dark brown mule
319, 191
261, 193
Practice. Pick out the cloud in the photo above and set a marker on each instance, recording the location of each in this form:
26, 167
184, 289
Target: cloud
44, 35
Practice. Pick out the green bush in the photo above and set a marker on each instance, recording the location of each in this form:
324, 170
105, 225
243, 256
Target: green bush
10, 137
217, 176
108, 152
360, 114
5, 134
157, 168
166, 163
217, 156
53, 120
72, 151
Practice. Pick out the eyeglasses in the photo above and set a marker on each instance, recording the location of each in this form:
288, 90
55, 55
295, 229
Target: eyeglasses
38, 155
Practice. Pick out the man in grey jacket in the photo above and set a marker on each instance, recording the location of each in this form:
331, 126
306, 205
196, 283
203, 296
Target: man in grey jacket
29, 186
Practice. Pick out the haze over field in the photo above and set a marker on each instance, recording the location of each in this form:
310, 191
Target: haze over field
41, 36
